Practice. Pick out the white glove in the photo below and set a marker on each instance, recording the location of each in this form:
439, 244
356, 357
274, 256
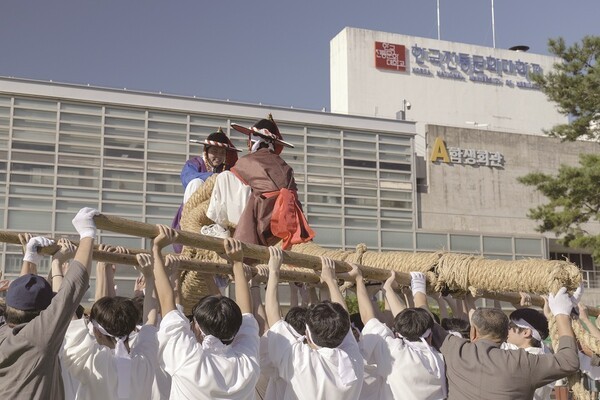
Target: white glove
31, 251
418, 283
561, 302
84, 222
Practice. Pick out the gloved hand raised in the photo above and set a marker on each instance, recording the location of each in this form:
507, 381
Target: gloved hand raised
84, 222
31, 252
561, 302
418, 283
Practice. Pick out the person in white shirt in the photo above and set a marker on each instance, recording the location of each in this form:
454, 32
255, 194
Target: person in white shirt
527, 330
411, 368
328, 365
101, 356
217, 356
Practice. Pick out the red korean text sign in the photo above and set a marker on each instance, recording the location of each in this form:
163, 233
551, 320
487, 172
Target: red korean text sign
390, 56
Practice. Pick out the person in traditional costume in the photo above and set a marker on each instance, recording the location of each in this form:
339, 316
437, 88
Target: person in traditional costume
219, 155
272, 212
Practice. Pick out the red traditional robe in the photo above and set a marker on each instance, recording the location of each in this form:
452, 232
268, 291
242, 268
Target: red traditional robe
273, 212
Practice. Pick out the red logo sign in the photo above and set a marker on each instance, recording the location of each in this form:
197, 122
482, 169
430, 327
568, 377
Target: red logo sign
390, 56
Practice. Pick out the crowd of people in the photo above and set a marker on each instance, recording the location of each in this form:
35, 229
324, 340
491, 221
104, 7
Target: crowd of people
148, 347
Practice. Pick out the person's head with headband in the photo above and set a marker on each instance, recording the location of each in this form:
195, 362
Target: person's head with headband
414, 324
113, 318
264, 134
327, 324
216, 317
527, 328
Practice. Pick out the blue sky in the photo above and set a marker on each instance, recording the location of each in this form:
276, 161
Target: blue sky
268, 51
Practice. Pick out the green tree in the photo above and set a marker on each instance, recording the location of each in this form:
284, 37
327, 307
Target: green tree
574, 192
574, 86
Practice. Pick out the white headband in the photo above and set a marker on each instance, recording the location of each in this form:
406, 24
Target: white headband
211, 342
344, 364
256, 144
122, 361
521, 323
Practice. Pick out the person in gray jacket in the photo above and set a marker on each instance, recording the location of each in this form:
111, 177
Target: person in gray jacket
37, 319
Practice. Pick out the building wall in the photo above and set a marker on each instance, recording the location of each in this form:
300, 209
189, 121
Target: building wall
359, 88
480, 198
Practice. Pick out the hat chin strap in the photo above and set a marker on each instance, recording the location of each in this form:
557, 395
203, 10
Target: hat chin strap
257, 142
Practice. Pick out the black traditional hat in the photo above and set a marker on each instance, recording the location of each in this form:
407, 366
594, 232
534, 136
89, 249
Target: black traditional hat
218, 139
266, 129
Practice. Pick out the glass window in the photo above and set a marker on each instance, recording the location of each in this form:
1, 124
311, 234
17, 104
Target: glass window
395, 166
127, 123
75, 205
13, 263
122, 185
29, 123
80, 118
360, 173
5, 100
163, 177
32, 190
73, 181
81, 108
397, 240
34, 136
356, 201
41, 221
324, 180
64, 222
165, 199
120, 174
123, 196
25, 202
465, 243
322, 209
121, 132
395, 139
125, 241
127, 113
532, 247
432, 241
127, 143
77, 193
361, 222
323, 161
37, 103
362, 136
396, 224
69, 148
157, 220
31, 146
124, 163
395, 158
175, 147
124, 153
326, 221
160, 210
499, 257
164, 188
356, 236
179, 158
397, 176
167, 126
357, 182
322, 136
160, 116
360, 212
78, 161
395, 204
320, 169
121, 208
360, 192
328, 236
497, 244
213, 121
76, 128
315, 198
325, 189
38, 179
323, 151
395, 185
35, 169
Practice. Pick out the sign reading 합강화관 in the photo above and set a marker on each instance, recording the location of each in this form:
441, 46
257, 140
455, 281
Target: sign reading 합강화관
390, 56
456, 155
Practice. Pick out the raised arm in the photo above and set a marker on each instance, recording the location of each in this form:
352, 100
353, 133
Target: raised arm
233, 248
418, 285
561, 305
145, 267
365, 305
328, 277
272, 295
60, 261
393, 300
31, 257
257, 305
164, 290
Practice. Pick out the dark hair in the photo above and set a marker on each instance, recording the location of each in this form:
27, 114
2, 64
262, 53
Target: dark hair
457, 325
535, 319
357, 321
491, 322
15, 316
296, 317
329, 323
117, 315
412, 323
79, 311
138, 302
218, 316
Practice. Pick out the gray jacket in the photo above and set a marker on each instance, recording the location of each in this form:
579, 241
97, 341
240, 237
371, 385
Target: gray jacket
29, 366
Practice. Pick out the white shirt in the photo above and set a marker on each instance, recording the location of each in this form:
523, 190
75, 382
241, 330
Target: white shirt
312, 374
229, 372
228, 199
93, 365
412, 371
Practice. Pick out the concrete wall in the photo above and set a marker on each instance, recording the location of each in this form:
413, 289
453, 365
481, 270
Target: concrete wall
485, 199
358, 87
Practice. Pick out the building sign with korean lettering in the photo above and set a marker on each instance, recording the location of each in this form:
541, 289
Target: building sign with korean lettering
390, 56
462, 67
456, 155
